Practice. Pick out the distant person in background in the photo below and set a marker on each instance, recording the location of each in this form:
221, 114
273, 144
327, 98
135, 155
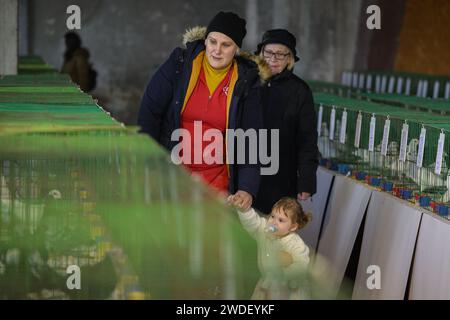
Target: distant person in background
288, 105
76, 63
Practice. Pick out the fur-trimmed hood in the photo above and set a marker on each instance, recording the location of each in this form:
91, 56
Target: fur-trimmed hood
199, 33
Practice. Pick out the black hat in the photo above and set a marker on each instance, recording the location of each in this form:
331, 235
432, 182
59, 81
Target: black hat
229, 24
280, 36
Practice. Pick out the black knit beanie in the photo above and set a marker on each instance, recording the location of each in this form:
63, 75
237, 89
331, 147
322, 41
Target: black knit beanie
229, 24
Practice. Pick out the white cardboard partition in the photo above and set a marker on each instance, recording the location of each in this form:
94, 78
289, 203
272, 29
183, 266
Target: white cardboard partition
390, 233
431, 269
345, 211
310, 233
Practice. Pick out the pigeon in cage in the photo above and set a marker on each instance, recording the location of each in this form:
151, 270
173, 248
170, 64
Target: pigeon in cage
393, 148
411, 150
324, 130
410, 168
439, 184
24, 273
392, 156
98, 281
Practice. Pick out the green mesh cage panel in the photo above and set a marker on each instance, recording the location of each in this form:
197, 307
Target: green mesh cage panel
77, 188
423, 179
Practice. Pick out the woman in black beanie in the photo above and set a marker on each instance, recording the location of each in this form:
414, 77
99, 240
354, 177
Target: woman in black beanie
207, 81
287, 105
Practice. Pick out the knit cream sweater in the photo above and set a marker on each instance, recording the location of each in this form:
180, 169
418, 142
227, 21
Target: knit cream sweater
281, 282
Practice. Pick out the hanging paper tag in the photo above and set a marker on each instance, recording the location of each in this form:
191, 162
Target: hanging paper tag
319, 120
343, 127
436, 90
358, 130
439, 154
372, 133
422, 137
419, 89
404, 142
425, 88
399, 85
383, 84
377, 83
391, 84
408, 86
361, 81
355, 80
385, 142
369, 82
332, 120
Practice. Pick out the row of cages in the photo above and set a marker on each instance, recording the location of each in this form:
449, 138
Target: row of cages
50, 221
420, 86
422, 105
92, 210
112, 204
408, 159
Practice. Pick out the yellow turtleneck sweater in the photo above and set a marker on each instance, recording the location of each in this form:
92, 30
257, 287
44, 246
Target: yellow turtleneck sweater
213, 76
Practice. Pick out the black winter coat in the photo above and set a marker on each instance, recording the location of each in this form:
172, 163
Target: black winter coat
288, 105
160, 110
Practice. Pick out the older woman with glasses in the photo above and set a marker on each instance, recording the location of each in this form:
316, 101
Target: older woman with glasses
287, 105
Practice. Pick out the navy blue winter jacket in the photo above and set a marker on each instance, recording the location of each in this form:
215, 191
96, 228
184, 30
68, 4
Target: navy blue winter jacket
160, 110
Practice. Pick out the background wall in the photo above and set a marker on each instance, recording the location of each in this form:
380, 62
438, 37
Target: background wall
377, 49
424, 44
128, 40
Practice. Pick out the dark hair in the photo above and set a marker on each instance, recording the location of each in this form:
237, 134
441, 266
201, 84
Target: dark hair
293, 210
73, 42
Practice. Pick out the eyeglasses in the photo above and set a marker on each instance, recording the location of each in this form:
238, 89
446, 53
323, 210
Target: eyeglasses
278, 55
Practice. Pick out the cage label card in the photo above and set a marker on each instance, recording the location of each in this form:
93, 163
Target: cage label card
385, 142
332, 123
343, 127
423, 134
439, 153
372, 133
319, 120
358, 130
404, 142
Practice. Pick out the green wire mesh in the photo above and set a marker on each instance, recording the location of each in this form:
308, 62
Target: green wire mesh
407, 83
422, 181
77, 188
112, 203
34, 65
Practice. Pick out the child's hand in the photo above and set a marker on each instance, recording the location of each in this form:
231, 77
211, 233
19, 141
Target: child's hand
285, 259
237, 201
233, 200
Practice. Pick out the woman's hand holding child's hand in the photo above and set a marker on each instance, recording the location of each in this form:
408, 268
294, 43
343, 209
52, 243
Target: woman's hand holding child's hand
238, 202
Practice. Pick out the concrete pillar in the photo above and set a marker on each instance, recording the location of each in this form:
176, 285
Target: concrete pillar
327, 41
251, 16
23, 28
281, 9
8, 36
